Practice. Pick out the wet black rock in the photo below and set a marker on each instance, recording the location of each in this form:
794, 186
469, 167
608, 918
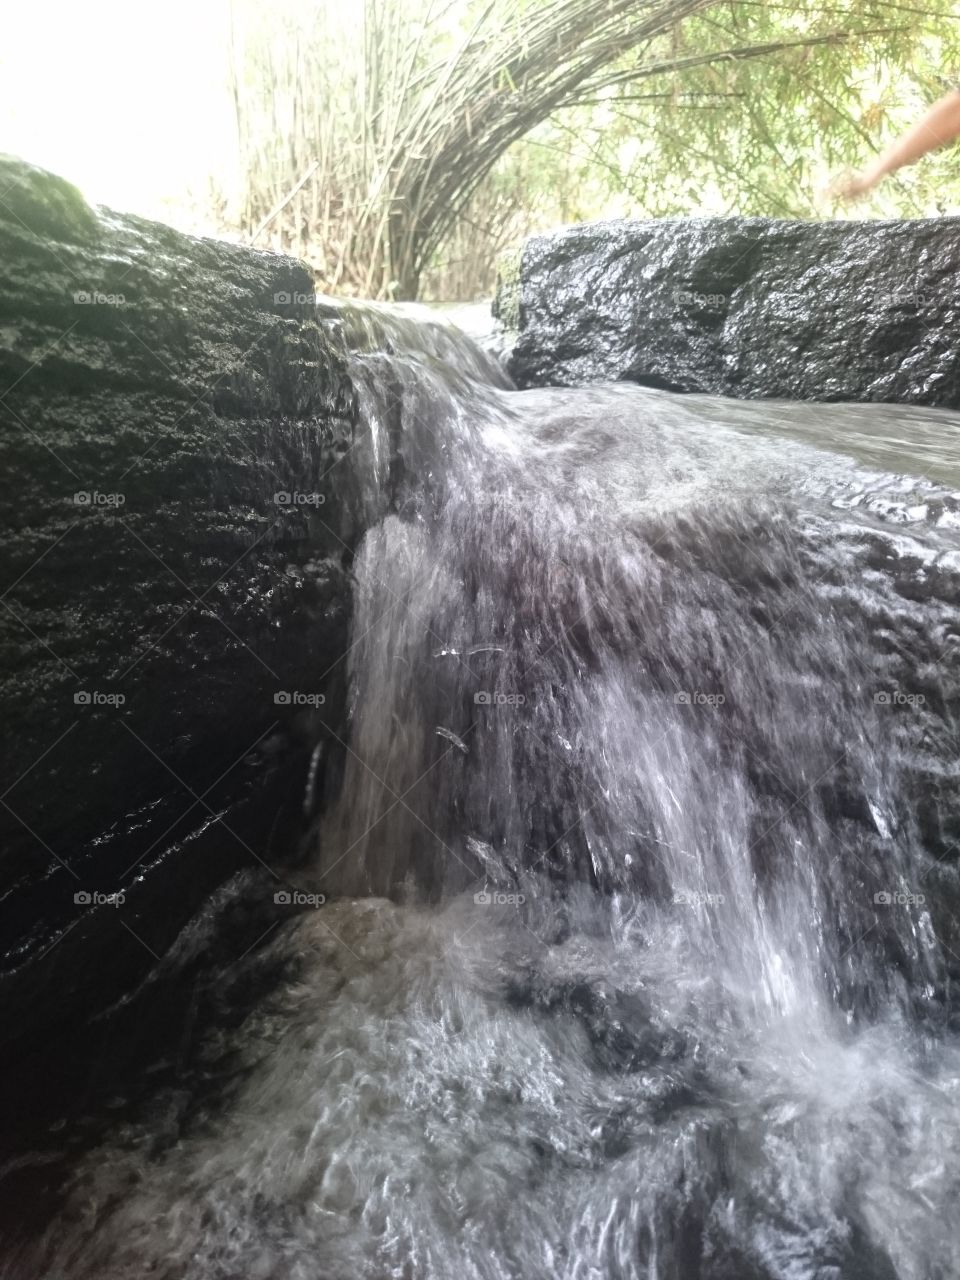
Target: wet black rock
743, 307
177, 529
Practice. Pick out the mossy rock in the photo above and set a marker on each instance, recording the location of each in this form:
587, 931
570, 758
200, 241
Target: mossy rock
44, 204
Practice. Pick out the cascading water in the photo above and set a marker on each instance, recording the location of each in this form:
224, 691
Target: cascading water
636, 955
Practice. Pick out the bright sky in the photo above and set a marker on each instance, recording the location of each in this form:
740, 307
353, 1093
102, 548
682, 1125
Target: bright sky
126, 99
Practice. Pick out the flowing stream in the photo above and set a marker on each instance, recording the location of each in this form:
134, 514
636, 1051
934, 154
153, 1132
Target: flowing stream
639, 931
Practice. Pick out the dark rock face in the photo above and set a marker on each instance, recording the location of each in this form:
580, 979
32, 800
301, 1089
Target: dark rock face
177, 531
743, 307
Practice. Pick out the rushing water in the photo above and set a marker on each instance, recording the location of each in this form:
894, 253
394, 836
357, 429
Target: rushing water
639, 939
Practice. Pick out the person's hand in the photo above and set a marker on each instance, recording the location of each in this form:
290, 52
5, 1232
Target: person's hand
851, 186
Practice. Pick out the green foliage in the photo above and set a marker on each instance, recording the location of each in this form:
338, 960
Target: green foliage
762, 134
400, 145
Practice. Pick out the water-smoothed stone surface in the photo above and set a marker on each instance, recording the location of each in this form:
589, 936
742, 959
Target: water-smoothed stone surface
745, 307
169, 624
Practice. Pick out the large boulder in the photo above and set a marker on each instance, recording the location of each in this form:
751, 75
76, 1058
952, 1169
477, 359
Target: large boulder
743, 307
177, 525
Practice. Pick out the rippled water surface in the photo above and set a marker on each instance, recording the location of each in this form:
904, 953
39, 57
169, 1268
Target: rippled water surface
638, 951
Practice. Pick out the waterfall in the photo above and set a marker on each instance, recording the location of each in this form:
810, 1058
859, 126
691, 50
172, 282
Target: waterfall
632, 925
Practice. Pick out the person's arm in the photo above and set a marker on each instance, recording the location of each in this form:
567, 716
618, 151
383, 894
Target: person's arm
940, 125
